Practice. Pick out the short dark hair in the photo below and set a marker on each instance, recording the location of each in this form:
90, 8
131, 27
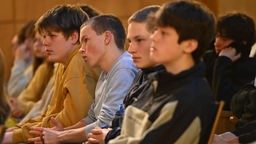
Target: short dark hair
142, 15
63, 18
191, 20
238, 27
90, 11
111, 23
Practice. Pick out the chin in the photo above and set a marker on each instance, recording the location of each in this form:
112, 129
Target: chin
90, 64
138, 66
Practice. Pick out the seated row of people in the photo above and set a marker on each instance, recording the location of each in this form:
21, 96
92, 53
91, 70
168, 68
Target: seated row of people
98, 40
160, 104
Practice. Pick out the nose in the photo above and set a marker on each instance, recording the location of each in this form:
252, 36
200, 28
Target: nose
217, 42
131, 48
82, 49
45, 42
154, 36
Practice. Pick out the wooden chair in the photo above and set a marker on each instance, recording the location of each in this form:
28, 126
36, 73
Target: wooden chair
2, 131
216, 120
226, 123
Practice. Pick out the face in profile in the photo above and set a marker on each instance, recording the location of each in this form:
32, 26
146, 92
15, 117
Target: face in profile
57, 46
165, 48
221, 42
38, 48
139, 44
92, 46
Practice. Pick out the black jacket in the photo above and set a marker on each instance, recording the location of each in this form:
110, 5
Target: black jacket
139, 86
229, 77
180, 101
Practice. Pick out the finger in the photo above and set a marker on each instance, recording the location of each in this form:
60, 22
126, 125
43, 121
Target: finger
93, 141
48, 130
90, 135
56, 123
237, 56
38, 128
96, 131
36, 131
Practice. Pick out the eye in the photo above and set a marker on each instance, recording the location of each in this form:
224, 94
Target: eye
139, 40
52, 35
129, 41
85, 40
163, 32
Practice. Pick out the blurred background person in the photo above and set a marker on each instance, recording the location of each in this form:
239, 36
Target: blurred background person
233, 68
22, 70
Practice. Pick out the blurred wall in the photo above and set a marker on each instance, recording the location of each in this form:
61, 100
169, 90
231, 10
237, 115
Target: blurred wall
15, 13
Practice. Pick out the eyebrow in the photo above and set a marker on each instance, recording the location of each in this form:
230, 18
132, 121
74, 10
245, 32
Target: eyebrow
139, 36
83, 37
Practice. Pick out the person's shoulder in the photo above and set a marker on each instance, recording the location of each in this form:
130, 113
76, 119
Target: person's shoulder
76, 61
209, 54
125, 62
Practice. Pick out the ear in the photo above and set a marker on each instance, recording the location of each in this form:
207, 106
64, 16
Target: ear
74, 37
190, 45
107, 37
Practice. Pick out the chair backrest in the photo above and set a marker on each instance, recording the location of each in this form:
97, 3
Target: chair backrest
2, 131
216, 120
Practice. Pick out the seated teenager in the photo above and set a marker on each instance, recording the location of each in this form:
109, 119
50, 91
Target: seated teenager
102, 44
60, 29
179, 106
138, 36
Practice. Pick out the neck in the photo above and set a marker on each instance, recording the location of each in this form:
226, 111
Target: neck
73, 49
181, 65
110, 57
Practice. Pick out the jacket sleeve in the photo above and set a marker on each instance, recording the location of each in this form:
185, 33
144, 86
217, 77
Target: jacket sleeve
158, 131
247, 133
34, 91
18, 79
117, 88
76, 103
222, 84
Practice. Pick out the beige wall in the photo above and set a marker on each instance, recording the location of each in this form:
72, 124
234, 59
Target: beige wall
14, 13
245, 6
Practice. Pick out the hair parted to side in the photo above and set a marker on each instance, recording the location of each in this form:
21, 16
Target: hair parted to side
103, 23
191, 20
142, 16
62, 18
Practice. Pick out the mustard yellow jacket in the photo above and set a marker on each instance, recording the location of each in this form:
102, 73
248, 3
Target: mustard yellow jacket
74, 87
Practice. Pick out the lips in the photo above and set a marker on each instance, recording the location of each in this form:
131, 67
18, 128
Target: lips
48, 52
84, 57
135, 58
